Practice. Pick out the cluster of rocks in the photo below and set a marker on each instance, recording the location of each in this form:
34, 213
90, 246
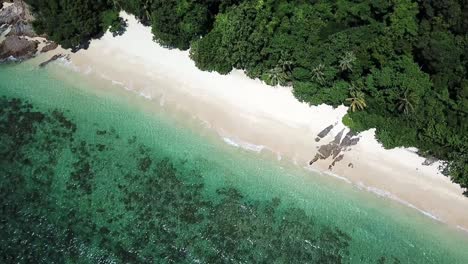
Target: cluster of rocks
334, 148
17, 36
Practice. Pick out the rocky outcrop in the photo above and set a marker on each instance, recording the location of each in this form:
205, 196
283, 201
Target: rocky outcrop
349, 140
18, 48
54, 58
339, 158
323, 133
22, 28
17, 45
14, 13
429, 161
49, 46
8, 14
335, 148
3, 28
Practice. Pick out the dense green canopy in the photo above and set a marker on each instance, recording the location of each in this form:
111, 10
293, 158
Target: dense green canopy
402, 64
73, 23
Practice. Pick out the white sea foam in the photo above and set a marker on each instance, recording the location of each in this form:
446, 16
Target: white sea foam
12, 58
389, 195
105, 77
117, 83
328, 173
88, 70
337, 176
381, 193
243, 145
252, 147
464, 229
146, 95
64, 61
230, 142
278, 156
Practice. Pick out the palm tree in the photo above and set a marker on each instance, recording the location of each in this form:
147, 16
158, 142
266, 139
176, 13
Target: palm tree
147, 7
347, 60
357, 101
406, 102
317, 73
286, 65
353, 88
276, 76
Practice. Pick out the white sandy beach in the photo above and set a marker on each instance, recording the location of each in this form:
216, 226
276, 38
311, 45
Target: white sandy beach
247, 113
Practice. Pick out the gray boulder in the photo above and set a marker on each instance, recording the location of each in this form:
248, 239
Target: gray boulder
12, 14
22, 28
19, 48
49, 46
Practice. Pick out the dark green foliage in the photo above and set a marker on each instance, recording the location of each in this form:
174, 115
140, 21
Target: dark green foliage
67, 199
177, 23
74, 23
209, 57
407, 58
112, 21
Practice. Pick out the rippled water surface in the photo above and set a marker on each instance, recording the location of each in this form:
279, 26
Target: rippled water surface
90, 176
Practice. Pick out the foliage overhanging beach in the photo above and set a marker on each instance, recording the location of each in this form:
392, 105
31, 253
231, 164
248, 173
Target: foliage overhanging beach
402, 64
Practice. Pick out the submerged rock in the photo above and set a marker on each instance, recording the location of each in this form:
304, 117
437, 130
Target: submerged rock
54, 58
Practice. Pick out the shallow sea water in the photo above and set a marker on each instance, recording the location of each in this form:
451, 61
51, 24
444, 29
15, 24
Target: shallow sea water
101, 175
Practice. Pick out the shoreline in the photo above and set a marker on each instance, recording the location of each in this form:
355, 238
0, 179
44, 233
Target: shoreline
249, 114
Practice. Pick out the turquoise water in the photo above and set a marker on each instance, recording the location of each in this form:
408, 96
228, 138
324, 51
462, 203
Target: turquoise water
98, 175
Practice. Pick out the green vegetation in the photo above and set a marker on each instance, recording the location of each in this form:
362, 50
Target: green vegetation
112, 21
356, 101
74, 23
400, 64
176, 23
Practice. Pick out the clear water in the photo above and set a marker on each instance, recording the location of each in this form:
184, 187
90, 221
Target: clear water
98, 175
